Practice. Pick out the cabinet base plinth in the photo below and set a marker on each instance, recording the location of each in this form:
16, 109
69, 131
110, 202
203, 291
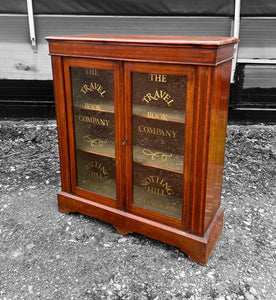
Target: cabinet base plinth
122, 230
196, 247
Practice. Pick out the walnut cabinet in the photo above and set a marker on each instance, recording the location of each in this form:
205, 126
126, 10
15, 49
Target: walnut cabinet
141, 125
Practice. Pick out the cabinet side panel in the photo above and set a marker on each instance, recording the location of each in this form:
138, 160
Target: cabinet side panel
61, 122
218, 123
203, 89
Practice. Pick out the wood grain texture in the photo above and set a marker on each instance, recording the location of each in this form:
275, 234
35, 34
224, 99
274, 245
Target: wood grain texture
217, 136
200, 149
198, 248
206, 62
62, 125
188, 71
189, 50
148, 39
119, 133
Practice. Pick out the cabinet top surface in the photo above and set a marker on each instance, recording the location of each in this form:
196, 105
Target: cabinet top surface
133, 39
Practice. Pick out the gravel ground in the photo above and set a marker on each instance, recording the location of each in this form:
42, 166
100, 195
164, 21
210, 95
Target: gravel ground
45, 254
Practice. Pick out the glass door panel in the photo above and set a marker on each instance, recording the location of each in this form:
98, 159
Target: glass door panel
158, 126
96, 173
158, 190
94, 129
159, 96
92, 88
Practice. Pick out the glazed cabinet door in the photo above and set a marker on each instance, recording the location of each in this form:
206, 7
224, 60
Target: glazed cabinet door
159, 110
94, 104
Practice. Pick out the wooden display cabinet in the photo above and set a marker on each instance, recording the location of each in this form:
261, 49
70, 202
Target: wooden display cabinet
142, 124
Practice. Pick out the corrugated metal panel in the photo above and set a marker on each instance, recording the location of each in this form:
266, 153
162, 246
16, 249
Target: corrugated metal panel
255, 87
124, 7
259, 76
201, 26
36, 92
142, 7
14, 29
18, 61
258, 38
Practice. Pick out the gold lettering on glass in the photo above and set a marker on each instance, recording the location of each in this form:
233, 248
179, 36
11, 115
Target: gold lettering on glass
155, 155
96, 170
93, 120
157, 131
93, 72
94, 142
92, 106
92, 87
158, 95
158, 77
158, 116
157, 186
158, 205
